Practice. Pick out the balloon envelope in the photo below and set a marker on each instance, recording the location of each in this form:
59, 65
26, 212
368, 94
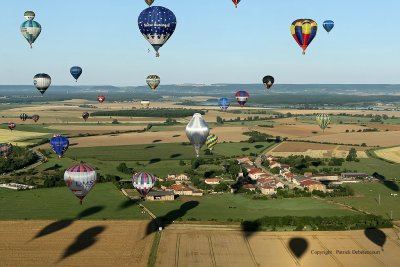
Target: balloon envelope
59, 144
145, 103
29, 15
212, 141
268, 81
12, 126
149, 2
76, 72
42, 81
153, 81
197, 131
5, 150
23, 116
328, 25
143, 182
157, 24
30, 29
35, 117
80, 179
101, 98
323, 120
242, 97
304, 32
224, 103
236, 2
85, 115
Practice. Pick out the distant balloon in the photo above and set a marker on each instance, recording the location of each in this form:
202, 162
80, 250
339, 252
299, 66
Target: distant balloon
242, 97
212, 141
76, 72
59, 144
304, 32
23, 116
143, 182
35, 118
5, 150
42, 81
328, 25
197, 131
323, 121
149, 2
224, 103
101, 98
30, 29
85, 115
157, 24
12, 126
236, 2
145, 103
153, 81
268, 81
80, 179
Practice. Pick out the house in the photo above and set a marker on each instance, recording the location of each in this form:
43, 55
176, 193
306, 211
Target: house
180, 189
271, 158
313, 185
197, 193
279, 184
288, 175
180, 177
249, 187
274, 164
255, 173
308, 174
245, 160
160, 196
212, 181
264, 180
268, 190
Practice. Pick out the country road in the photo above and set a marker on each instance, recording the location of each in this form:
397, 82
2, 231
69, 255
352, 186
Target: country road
36, 164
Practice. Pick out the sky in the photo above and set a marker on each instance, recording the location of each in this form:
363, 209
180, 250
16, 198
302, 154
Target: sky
213, 42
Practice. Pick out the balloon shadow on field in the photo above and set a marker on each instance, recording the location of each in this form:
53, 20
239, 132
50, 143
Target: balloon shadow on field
389, 184
376, 236
157, 141
128, 203
175, 156
84, 240
298, 246
177, 135
170, 217
245, 148
147, 147
156, 160
249, 228
62, 224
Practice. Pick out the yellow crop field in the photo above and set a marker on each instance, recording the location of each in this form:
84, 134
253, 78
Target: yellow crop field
17, 137
392, 154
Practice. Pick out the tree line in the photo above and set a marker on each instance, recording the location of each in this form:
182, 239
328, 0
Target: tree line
150, 113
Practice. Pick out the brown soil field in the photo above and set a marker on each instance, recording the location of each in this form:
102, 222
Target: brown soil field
305, 112
286, 149
196, 247
383, 139
93, 129
384, 127
83, 243
227, 134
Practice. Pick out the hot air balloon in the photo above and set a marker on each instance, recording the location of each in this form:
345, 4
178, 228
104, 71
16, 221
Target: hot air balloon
5, 150
42, 81
35, 118
268, 81
76, 72
30, 29
212, 141
323, 121
145, 103
23, 116
197, 131
236, 2
153, 81
11, 126
304, 32
328, 25
143, 182
80, 179
59, 144
157, 24
85, 115
224, 103
149, 2
101, 98
241, 97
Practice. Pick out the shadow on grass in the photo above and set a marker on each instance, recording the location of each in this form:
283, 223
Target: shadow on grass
249, 228
55, 167
177, 135
90, 211
128, 203
148, 147
157, 141
85, 240
245, 148
298, 246
389, 184
175, 156
170, 217
258, 146
376, 236
156, 160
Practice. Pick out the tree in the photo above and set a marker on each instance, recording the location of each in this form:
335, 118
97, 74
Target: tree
352, 156
275, 170
220, 120
181, 163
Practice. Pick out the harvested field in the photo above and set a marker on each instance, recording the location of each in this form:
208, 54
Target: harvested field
383, 139
286, 149
190, 246
391, 154
15, 137
93, 129
365, 112
385, 127
77, 243
233, 134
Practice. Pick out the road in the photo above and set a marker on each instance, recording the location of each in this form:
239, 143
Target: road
39, 162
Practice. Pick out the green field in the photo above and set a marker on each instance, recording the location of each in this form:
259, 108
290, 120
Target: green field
216, 207
346, 119
366, 199
60, 203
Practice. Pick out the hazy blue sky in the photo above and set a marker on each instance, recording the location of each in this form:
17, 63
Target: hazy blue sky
213, 42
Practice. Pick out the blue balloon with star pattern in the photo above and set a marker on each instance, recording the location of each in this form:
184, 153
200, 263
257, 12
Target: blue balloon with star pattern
157, 24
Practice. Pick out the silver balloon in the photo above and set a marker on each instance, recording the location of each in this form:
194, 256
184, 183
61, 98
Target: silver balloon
197, 131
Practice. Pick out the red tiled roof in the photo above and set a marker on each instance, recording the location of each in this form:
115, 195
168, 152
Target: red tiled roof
267, 187
212, 180
308, 182
179, 187
255, 170
248, 186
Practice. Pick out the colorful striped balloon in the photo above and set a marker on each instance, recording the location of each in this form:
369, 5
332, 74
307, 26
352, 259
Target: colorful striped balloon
30, 29
212, 141
304, 32
80, 179
323, 121
143, 182
5, 150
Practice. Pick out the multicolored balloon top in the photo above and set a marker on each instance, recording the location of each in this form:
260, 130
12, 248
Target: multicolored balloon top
12, 126
80, 179
153, 81
42, 82
224, 103
304, 32
29, 15
59, 144
236, 2
143, 182
101, 98
242, 97
5, 150
30, 29
323, 121
157, 24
